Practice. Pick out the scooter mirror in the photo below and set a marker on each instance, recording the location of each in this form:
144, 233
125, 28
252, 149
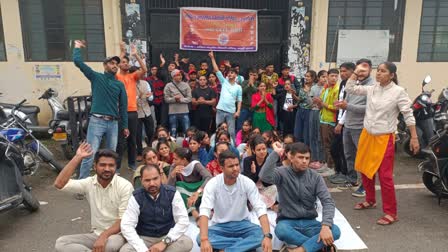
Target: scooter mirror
427, 80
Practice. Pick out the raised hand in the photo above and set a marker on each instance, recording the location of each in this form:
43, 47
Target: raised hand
123, 46
80, 43
84, 150
278, 148
162, 59
253, 168
211, 55
134, 50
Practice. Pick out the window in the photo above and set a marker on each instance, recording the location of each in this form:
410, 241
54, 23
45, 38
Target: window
366, 15
49, 27
2, 40
433, 40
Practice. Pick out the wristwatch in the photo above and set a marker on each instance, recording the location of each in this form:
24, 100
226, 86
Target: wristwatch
268, 235
167, 240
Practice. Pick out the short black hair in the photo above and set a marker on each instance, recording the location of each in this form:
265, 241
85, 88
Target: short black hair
348, 66
269, 64
149, 167
228, 154
221, 143
233, 70
154, 65
333, 71
363, 60
133, 69
252, 70
298, 147
126, 57
235, 65
105, 153
184, 153
203, 61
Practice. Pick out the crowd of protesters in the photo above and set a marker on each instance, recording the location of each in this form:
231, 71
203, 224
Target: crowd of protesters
222, 140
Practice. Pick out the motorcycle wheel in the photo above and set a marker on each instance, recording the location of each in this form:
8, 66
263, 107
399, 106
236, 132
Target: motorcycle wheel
433, 183
68, 151
29, 201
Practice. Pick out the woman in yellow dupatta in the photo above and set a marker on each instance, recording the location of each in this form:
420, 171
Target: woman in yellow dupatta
385, 100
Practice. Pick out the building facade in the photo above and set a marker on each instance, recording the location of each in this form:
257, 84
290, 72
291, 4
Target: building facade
36, 38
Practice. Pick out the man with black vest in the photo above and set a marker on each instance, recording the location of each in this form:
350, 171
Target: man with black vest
156, 217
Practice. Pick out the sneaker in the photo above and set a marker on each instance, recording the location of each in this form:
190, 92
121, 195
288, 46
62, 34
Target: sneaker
360, 192
326, 172
346, 186
337, 174
338, 179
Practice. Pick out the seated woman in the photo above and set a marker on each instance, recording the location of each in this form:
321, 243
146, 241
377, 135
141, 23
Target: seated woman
164, 152
221, 127
162, 132
190, 132
150, 157
204, 140
252, 166
243, 135
190, 178
222, 136
199, 153
213, 166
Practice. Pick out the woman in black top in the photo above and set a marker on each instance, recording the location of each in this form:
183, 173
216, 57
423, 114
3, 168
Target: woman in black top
252, 164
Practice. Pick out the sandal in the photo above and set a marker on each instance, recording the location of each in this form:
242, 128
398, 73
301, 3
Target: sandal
387, 220
365, 205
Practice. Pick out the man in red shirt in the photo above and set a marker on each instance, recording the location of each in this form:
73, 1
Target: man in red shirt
130, 83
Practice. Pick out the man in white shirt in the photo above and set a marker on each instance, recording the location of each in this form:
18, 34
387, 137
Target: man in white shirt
108, 196
227, 194
156, 217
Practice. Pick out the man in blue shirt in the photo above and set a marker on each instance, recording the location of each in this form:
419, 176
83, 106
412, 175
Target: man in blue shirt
231, 94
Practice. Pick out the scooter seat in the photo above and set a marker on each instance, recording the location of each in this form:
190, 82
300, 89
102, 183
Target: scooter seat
28, 110
63, 115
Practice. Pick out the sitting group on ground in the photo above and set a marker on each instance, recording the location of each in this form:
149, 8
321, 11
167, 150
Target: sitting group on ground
155, 216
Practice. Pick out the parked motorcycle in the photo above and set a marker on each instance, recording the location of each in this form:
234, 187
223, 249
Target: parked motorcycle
441, 109
59, 125
435, 167
424, 118
13, 189
33, 151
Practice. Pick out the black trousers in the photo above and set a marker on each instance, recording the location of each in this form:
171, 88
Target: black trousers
203, 121
131, 141
288, 119
161, 111
337, 153
148, 123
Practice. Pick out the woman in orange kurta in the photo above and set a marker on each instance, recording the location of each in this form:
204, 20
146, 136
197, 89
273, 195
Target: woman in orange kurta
385, 100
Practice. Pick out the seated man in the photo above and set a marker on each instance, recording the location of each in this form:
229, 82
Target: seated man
227, 194
107, 195
298, 187
156, 217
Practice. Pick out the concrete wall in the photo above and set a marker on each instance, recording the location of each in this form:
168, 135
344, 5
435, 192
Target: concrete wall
17, 79
410, 72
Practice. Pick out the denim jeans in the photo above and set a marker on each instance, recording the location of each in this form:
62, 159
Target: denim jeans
246, 114
182, 119
223, 116
317, 152
234, 236
303, 233
301, 129
97, 129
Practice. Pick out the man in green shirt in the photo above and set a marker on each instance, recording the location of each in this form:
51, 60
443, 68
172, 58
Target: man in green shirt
109, 103
249, 88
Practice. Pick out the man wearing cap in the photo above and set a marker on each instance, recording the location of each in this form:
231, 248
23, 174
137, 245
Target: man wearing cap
109, 102
130, 83
177, 94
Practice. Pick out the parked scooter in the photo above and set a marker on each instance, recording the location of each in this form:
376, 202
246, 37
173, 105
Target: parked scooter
13, 190
424, 118
33, 152
435, 167
59, 126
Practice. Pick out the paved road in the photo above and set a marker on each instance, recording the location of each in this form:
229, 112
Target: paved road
423, 223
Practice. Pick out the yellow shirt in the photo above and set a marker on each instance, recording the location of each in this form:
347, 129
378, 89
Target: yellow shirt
106, 204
